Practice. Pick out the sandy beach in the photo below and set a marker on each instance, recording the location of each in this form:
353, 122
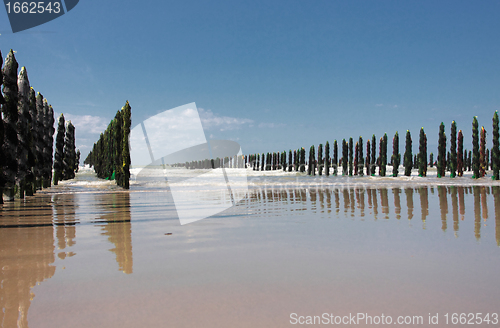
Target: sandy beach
86, 253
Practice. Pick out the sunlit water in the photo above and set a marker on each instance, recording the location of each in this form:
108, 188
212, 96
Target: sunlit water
88, 254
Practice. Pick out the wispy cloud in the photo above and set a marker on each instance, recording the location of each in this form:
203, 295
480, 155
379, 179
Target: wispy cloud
379, 105
87, 123
271, 125
222, 123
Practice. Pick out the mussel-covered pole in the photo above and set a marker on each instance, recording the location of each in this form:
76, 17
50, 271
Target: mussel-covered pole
283, 164
77, 164
127, 122
453, 150
10, 116
327, 159
48, 143
23, 131
495, 151
345, 153
69, 152
422, 154
396, 157
2, 155
335, 157
320, 159
368, 156
356, 154
32, 137
59, 152
460, 154
374, 156
441, 160
351, 151
383, 155
312, 158
408, 155
482, 153
475, 148
39, 141
302, 160
361, 161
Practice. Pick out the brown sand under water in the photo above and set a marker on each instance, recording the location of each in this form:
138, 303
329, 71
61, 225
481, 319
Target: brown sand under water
106, 258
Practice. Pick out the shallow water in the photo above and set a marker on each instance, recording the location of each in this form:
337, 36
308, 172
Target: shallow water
86, 253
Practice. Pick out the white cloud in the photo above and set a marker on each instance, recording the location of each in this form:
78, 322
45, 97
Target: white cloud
271, 125
222, 123
87, 123
379, 105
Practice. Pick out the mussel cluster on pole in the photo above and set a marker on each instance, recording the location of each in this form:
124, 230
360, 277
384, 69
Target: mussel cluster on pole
26, 134
110, 155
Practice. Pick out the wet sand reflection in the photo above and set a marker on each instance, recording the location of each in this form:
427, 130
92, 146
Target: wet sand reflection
369, 202
35, 230
27, 255
118, 229
41, 230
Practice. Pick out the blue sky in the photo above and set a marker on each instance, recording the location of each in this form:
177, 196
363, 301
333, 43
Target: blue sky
272, 75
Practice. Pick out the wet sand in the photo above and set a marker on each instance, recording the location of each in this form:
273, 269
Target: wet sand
101, 257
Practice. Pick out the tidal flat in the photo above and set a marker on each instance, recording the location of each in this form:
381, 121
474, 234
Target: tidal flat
88, 254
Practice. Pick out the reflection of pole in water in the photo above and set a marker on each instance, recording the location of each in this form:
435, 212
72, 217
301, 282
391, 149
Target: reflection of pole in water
303, 199
337, 201
346, 201
362, 202
27, 257
454, 208
477, 212
312, 195
321, 200
65, 207
356, 192
409, 202
496, 197
424, 203
329, 200
397, 202
284, 196
443, 206
375, 203
484, 205
352, 203
119, 231
369, 196
384, 201
461, 202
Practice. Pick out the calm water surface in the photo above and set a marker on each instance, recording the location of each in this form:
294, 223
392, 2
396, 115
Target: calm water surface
96, 256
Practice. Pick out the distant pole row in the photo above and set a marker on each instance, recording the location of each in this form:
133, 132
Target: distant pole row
26, 134
65, 158
455, 161
110, 155
229, 162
